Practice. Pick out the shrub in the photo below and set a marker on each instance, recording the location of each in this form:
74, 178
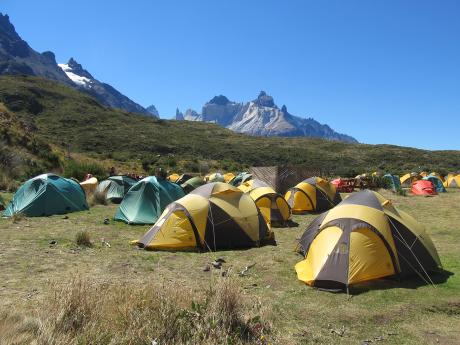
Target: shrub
83, 239
98, 198
79, 170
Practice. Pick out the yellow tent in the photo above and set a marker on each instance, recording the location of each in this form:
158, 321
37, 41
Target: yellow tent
407, 179
272, 205
364, 238
452, 181
312, 195
229, 176
89, 186
173, 177
213, 216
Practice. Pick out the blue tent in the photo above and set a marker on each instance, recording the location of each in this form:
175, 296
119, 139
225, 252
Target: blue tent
437, 183
393, 182
46, 195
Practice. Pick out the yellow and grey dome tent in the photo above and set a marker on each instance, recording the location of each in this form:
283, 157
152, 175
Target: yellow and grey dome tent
173, 177
272, 205
312, 195
213, 216
214, 177
228, 177
409, 178
452, 181
364, 238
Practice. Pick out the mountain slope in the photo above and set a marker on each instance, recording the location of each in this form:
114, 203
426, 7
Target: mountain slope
76, 122
17, 57
261, 117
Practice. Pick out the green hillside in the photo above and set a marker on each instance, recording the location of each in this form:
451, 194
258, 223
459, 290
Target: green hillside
79, 125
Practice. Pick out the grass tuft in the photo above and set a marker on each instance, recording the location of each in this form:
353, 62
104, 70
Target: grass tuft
98, 198
83, 239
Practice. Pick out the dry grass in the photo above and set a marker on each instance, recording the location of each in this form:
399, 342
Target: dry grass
83, 239
82, 312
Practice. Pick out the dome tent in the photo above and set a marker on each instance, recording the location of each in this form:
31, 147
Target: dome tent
393, 182
46, 195
192, 184
240, 178
437, 183
452, 181
272, 205
423, 187
312, 195
212, 217
364, 238
115, 187
215, 177
409, 178
146, 200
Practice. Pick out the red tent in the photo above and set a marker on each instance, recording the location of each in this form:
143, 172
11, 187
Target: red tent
423, 187
343, 186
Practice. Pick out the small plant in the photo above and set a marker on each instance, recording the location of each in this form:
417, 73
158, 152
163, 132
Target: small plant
17, 217
98, 198
83, 239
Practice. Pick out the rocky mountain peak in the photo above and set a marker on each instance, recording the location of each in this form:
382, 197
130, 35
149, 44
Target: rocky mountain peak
153, 110
219, 100
179, 115
5, 25
78, 69
264, 100
284, 109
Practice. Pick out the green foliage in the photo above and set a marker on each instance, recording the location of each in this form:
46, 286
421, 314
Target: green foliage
77, 123
78, 170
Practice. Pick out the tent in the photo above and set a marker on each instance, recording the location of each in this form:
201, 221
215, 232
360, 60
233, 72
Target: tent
182, 178
228, 177
437, 183
115, 187
212, 217
272, 205
343, 185
312, 195
423, 174
436, 175
241, 178
192, 184
146, 200
392, 181
423, 187
89, 186
173, 177
215, 177
364, 238
46, 195
452, 181
407, 179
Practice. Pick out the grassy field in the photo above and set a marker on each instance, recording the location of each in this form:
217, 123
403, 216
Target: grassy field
32, 272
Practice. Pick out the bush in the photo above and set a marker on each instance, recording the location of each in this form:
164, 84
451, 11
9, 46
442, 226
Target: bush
98, 198
82, 312
83, 239
79, 170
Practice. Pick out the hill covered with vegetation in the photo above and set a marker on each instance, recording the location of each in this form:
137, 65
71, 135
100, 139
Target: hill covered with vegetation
76, 125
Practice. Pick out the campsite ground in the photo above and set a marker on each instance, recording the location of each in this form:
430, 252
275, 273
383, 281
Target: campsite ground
386, 312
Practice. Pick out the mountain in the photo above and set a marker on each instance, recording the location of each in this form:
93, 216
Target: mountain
79, 125
17, 57
261, 117
153, 111
104, 93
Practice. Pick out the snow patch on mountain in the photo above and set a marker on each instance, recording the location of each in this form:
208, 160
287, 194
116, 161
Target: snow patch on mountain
77, 79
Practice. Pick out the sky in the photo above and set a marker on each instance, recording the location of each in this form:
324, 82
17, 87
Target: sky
381, 71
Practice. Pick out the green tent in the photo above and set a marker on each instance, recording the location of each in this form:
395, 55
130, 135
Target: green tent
183, 178
146, 200
46, 195
393, 182
115, 187
241, 178
192, 184
437, 183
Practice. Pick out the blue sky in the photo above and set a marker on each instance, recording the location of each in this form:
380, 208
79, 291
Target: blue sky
381, 71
